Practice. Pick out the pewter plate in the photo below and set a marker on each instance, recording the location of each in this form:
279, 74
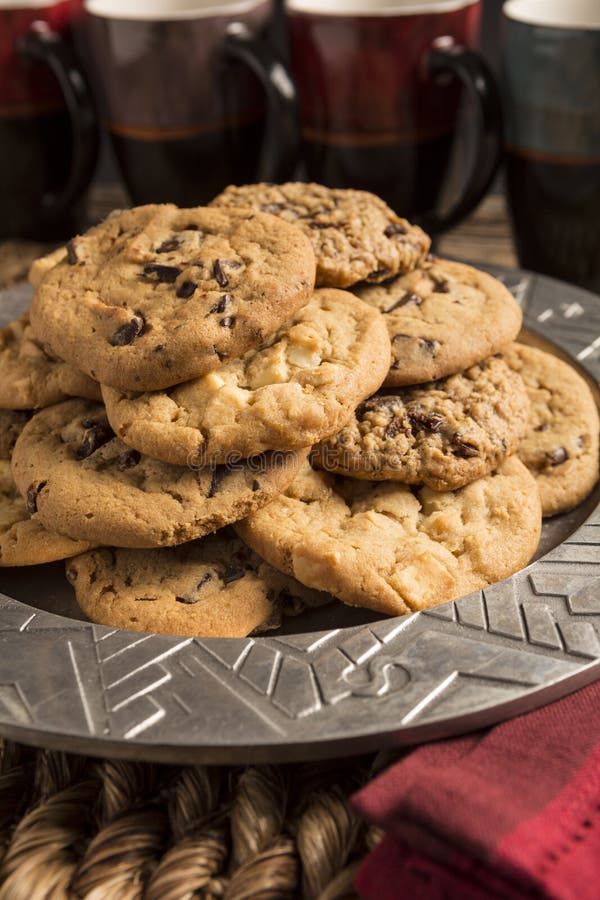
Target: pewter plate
345, 681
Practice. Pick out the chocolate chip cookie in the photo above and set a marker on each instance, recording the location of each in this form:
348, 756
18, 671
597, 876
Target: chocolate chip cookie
300, 386
393, 549
86, 483
444, 434
214, 587
355, 235
157, 295
442, 318
30, 378
23, 539
560, 447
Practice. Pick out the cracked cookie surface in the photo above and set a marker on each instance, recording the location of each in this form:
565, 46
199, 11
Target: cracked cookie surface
443, 318
298, 388
213, 587
30, 378
86, 483
444, 434
354, 234
23, 539
560, 447
393, 549
157, 295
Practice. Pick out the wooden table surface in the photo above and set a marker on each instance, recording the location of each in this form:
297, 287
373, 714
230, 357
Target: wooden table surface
484, 237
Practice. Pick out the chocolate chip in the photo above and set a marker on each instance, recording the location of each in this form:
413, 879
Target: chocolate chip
227, 322
317, 226
429, 421
158, 348
394, 428
405, 300
216, 480
232, 573
191, 228
429, 344
204, 580
128, 332
71, 254
255, 486
557, 457
394, 228
378, 274
128, 460
440, 285
88, 423
164, 274
222, 305
188, 600
462, 448
219, 275
186, 290
168, 245
542, 427
32, 495
94, 438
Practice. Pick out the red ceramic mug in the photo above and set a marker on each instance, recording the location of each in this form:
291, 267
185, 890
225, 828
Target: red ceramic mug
48, 128
380, 85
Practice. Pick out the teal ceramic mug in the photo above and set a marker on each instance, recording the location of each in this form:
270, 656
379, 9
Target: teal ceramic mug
551, 78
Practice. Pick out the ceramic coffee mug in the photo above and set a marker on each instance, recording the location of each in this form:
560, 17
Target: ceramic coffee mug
380, 85
185, 85
551, 63
48, 128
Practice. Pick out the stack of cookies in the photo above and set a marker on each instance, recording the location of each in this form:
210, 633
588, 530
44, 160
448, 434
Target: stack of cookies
221, 415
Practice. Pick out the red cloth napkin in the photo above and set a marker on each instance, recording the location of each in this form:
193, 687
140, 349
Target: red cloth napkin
512, 812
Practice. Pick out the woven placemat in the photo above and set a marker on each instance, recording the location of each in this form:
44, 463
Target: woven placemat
77, 827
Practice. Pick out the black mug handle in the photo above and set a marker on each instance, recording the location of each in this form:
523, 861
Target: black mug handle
42, 44
480, 83
279, 151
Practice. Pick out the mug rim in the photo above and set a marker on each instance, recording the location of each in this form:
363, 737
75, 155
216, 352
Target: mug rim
381, 8
535, 12
23, 5
114, 9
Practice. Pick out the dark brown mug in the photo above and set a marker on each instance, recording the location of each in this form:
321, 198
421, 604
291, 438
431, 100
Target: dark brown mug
380, 84
48, 126
192, 96
551, 69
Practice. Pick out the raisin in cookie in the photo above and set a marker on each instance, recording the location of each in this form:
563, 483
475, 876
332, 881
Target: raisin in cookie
442, 318
23, 539
560, 447
355, 235
298, 388
214, 587
157, 295
444, 434
30, 378
393, 549
86, 483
